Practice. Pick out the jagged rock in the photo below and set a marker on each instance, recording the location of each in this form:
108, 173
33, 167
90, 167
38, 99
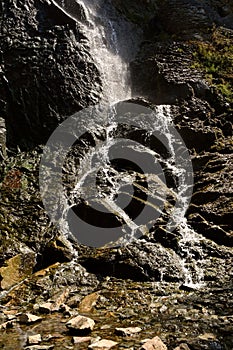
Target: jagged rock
140, 261
88, 302
29, 318
80, 324
34, 339
126, 332
17, 269
154, 344
103, 344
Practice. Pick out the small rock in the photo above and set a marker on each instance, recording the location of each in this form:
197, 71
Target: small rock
126, 332
182, 346
34, 339
154, 344
81, 324
163, 309
78, 340
29, 318
105, 326
103, 344
46, 308
207, 336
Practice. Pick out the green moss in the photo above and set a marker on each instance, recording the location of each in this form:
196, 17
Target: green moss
215, 58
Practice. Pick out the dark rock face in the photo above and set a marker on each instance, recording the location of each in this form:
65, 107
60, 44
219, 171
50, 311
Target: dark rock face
46, 72
142, 261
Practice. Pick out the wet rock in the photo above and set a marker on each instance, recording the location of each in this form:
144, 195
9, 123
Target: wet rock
34, 339
16, 269
28, 318
142, 261
126, 332
154, 344
80, 324
103, 344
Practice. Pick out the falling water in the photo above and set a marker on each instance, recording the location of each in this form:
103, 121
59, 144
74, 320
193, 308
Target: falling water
113, 42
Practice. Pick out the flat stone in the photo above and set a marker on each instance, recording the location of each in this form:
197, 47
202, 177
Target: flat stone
28, 318
103, 344
126, 332
16, 269
34, 339
154, 344
81, 324
78, 340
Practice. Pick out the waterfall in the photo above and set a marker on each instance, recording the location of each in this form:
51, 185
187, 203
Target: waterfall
113, 42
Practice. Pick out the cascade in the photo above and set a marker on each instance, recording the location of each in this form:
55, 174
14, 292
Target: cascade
113, 43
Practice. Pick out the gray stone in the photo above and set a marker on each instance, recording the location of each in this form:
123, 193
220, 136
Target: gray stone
81, 324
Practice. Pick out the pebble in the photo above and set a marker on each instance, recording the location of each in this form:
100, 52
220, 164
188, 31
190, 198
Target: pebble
34, 339
154, 344
81, 324
128, 331
103, 344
